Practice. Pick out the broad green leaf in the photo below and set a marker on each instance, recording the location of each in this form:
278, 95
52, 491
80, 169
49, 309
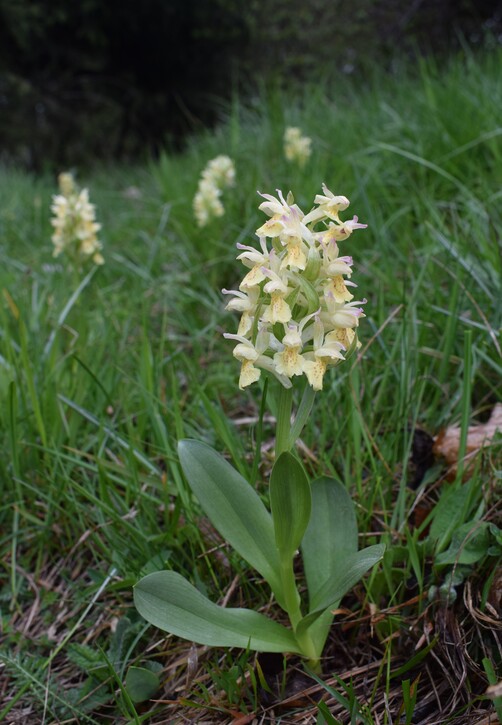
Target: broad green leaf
170, 602
347, 575
455, 507
141, 684
469, 544
328, 597
331, 535
290, 502
234, 508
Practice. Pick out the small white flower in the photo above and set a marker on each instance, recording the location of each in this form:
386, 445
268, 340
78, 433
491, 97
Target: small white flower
342, 315
342, 230
278, 310
331, 204
289, 361
257, 261
328, 205
327, 351
333, 264
251, 358
246, 303
337, 288
286, 220
296, 253
277, 287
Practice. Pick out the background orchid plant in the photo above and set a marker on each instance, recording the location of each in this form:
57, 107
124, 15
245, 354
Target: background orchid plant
74, 222
298, 318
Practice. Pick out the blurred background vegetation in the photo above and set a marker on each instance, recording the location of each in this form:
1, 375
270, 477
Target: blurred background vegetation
111, 80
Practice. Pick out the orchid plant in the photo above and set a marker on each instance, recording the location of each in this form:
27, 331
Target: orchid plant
217, 175
74, 222
298, 318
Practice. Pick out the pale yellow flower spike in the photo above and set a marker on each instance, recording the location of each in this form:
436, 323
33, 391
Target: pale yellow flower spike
75, 227
207, 205
298, 316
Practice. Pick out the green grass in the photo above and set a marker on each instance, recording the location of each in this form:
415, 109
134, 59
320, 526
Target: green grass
97, 387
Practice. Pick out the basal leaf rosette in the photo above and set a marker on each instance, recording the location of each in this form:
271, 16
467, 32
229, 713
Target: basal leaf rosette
298, 315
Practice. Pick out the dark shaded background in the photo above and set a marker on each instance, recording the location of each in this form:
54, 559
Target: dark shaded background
113, 80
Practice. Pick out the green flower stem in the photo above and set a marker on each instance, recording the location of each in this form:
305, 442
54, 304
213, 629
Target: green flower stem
79, 287
292, 606
283, 425
302, 415
286, 436
290, 592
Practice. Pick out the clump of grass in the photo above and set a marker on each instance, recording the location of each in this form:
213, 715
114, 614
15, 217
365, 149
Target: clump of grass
96, 398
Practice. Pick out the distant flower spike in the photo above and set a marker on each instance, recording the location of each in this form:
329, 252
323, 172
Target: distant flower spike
75, 226
296, 147
218, 174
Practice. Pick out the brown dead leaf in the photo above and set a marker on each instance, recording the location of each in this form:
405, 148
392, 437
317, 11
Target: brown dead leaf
447, 442
495, 690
